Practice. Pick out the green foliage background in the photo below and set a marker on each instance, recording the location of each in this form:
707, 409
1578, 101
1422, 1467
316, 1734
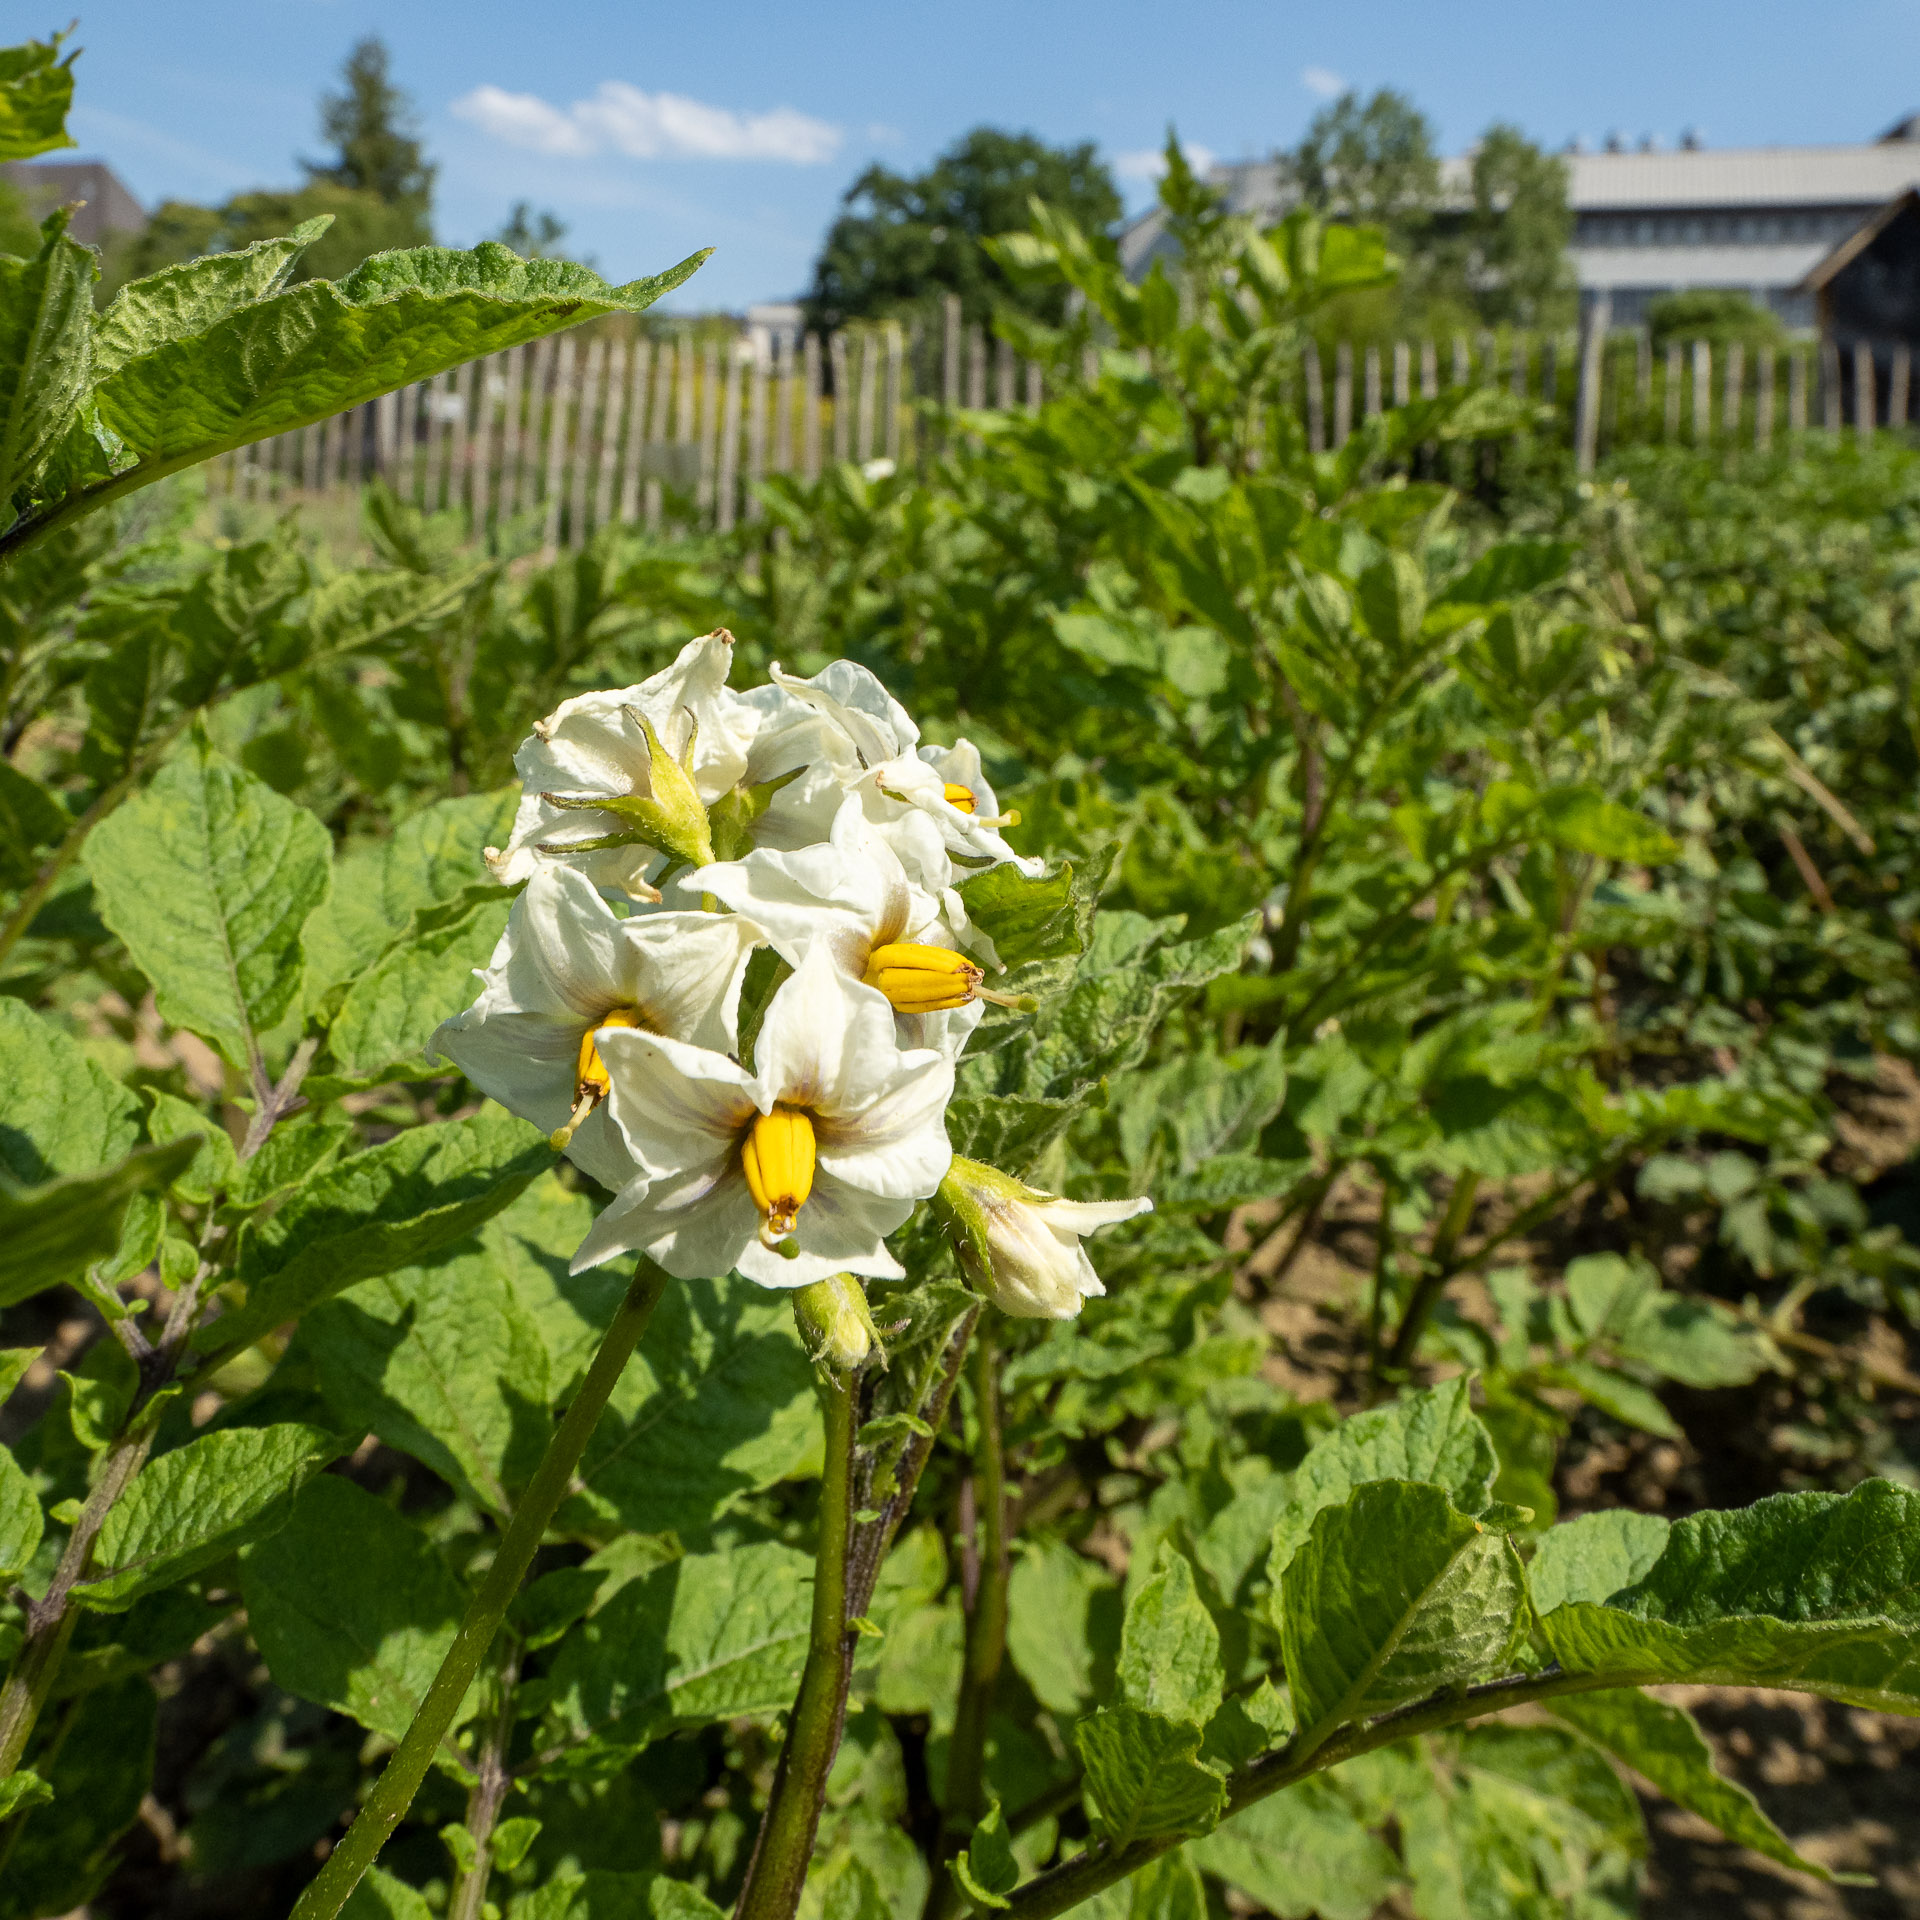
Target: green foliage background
1512, 876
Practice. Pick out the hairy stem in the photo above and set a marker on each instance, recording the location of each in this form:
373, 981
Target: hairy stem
778, 1870
986, 1635
886, 1496
491, 1784
393, 1792
1437, 1272
1078, 1879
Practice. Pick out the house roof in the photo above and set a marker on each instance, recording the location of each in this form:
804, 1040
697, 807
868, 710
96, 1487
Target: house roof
1857, 242
1744, 177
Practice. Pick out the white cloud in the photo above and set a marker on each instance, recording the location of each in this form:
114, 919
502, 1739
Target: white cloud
1322, 82
1149, 163
647, 126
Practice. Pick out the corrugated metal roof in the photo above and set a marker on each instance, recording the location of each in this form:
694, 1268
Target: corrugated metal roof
1744, 177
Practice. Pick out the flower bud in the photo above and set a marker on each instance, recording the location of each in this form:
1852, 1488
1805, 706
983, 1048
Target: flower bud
1022, 1247
835, 1323
668, 814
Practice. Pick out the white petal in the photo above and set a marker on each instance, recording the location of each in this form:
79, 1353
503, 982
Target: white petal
896, 1145
696, 1226
692, 695
827, 1042
683, 972
839, 1230
616, 1230
1088, 1216
960, 764
678, 1107
876, 724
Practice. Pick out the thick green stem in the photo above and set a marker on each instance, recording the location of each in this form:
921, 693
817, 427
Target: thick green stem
1080, 1878
986, 1635
394, 1791
778, 1870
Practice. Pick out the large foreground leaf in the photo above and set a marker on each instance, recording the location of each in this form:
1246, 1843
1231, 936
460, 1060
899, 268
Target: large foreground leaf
1392, 1596
317, 349
388, 1207
208, 877
363, 1630
1817, 1591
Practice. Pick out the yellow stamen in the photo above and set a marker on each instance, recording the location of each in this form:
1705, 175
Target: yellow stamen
777, 1158
591, 1081
961, 797
921, 979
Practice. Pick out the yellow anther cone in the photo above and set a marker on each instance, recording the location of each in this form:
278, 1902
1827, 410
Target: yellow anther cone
922, 979
778, 1160
591, 1081
959, 796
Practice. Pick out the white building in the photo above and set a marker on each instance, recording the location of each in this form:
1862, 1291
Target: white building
1756, 220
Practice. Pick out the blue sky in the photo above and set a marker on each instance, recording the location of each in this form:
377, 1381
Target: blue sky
653, 130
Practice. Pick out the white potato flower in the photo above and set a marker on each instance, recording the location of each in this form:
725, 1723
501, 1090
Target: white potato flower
789, 1174
853, 896
565, 971
1021, 1247
596, 771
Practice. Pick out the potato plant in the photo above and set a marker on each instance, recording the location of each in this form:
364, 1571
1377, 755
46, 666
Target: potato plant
1131, 823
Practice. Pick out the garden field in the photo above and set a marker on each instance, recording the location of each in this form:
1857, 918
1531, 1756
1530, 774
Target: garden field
703, 1415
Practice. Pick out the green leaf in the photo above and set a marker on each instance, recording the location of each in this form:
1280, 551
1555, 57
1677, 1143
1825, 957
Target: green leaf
1170, 1648
46, 340
30, 819
388, 1207
63, 1114
444, 1363
24, 1788
380, 1896
1433, 1435
1043, 919
1393, 600
1301, 1851
214, 1167
1520, 1820
360, 1628
532, 1243
51, 1233
20, 1518
1061, 1608
14, 1363
199, 1503
323, 347
100, 1393
1665, 1746
1144, 1776
186, 299
718, 1403
708, 1637
391, 1011
1393, 1596
1809, 1590
98, 1771
36, 92
1594, 1557
1506, 572
435, 855
1584, 820
208, 877
985, 1870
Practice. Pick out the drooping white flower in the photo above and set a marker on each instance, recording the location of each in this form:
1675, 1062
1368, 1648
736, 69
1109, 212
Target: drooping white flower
567, 970
1022, 1247
787, 1175
874, 726
946, 786
852, 896
609, 745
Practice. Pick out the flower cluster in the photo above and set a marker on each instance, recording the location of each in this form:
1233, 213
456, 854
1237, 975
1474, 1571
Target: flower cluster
666, 832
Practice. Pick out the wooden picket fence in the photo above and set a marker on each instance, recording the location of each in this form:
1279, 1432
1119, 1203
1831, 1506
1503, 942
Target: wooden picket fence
572, 434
